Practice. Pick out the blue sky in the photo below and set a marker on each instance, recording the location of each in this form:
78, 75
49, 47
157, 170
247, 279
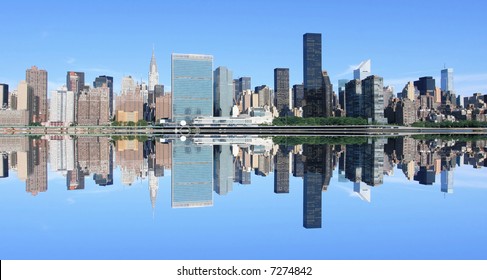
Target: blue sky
404, 39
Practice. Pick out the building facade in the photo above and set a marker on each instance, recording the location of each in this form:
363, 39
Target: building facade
281, 91
447, 79
62, 110
222, 92
108, 81
192, 86
37, 79
315, 101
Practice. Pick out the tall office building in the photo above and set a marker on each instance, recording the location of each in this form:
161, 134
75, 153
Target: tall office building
191, 175
342, 100
153, 73
362, 71
330, 98
192, 86
447, 79
130, 103
3, 96
281, 91
3, 165
108, 81
223, 170
281, 170
317, 175
75, 81
298, 95
37, 180
37, 79
222, 92
93, 106
239, 86
25, 99
62, 109
354, 99
315, 99
372, 90
425, 85
447, 181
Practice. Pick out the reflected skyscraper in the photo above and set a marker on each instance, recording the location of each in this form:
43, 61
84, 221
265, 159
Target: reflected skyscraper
192, 175
447, 181
223, 169
37, 180
281, 170
3, 165
317, 175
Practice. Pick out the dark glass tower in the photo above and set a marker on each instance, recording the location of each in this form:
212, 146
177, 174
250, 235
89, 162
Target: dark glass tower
298, 95
3, 95
425, 85
314, 97
281, 91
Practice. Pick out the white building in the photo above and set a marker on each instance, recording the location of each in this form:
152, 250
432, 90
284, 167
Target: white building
62, 109
362, 71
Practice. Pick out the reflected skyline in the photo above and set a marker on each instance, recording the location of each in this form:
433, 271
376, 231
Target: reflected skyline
200, 167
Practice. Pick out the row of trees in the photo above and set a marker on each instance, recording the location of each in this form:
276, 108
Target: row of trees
449, 124
130, 123
296, 121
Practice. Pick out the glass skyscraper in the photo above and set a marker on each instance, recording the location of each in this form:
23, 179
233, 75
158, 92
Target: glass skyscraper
316, 104
223, 92
192, 175
447, 79
192, 86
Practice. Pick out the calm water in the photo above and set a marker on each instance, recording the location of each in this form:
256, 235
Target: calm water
242, 198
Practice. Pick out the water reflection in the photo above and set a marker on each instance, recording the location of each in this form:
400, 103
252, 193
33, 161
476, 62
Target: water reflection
203, 166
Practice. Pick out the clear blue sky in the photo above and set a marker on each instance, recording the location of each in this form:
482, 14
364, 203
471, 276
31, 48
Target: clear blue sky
404, 39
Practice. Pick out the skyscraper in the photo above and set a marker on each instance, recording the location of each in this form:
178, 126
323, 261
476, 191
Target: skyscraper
191, 175
425, 85
223, 92
298, 95
37, 79
354, 99
281, 91
62, 106
447, 79
342, 100
3, 96
314, 97
372, 90
281, 170
362, 71
99, 81
192, 86
153, 73
328, 94
223, 170
75, 81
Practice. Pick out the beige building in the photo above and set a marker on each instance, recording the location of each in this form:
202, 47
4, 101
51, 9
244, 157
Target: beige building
129, 106
94, 107
163, 107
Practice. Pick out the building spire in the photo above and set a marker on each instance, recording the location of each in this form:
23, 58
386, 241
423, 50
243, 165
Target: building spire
153, 73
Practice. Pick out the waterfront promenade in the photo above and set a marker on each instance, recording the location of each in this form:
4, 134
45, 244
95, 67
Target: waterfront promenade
359, 130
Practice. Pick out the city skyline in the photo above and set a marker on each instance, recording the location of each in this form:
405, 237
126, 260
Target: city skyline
44, 45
